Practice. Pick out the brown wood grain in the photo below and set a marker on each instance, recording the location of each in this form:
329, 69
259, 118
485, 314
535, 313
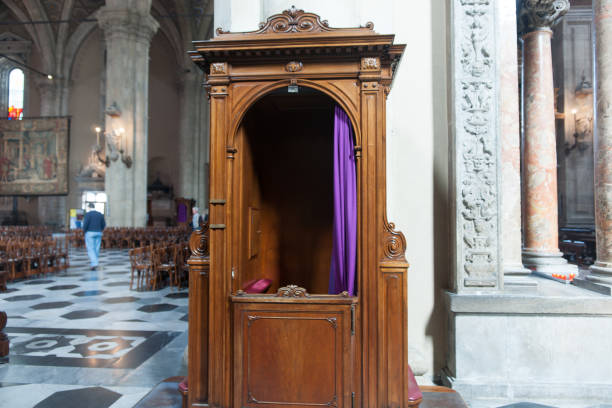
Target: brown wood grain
271, 156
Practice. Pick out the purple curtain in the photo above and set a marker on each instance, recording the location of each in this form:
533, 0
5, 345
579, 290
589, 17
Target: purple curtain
344, 244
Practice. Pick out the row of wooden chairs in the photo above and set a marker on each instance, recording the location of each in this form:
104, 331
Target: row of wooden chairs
128, 238
30, 257
153, 265
33, 232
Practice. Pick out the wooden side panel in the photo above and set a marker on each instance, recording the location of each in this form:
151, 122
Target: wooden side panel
291, 355
393, 359
198, 331
369, 234
219, 367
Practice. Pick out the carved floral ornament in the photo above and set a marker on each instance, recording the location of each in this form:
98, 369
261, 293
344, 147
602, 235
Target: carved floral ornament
291, 291
218, 68
294, 21
294, 66
477, 185
370, 64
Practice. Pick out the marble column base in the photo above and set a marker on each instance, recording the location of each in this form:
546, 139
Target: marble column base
516, 277
600, 272
547, 262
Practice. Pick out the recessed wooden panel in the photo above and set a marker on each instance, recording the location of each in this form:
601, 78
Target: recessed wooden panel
254, 231
278, 346
282, 351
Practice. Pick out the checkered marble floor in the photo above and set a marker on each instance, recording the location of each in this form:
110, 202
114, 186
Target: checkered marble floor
82, 335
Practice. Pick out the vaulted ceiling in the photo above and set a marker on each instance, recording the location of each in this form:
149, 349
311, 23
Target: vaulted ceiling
59, 26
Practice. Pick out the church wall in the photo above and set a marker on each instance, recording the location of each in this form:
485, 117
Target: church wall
84, 109
417, 144
164, 118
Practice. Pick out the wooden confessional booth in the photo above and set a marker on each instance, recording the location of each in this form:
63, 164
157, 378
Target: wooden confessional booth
272, 97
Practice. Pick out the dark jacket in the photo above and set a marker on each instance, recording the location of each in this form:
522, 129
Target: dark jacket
94, 222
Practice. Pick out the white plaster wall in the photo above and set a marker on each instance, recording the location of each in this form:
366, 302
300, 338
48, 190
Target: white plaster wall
417, 141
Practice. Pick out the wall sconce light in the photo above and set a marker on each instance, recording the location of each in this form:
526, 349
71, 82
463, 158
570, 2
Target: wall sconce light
579, 135
115, 141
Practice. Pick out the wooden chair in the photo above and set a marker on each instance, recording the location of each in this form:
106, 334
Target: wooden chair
61, 250
140, 264
162, 265
15, 259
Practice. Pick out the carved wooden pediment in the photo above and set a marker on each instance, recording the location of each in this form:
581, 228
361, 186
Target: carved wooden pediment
296, 21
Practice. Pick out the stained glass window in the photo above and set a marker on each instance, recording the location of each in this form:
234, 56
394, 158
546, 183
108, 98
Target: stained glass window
15, 98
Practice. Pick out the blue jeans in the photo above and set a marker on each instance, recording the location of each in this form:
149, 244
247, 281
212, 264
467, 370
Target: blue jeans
93, 239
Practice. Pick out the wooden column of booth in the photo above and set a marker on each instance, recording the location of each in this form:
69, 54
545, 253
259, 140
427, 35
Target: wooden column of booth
250, 350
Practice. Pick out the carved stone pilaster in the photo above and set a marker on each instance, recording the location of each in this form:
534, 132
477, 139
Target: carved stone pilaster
476, 128
539, 14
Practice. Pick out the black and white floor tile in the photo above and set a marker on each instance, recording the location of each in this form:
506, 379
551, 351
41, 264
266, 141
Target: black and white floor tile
82, 337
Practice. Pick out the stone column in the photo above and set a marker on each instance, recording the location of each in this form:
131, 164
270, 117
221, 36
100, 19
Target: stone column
193, 142
601, 271
541, 249
511, 244
52, 210
128, 28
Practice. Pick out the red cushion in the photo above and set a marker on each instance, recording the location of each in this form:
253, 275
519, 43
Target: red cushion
414, 393
257, 285
183, 386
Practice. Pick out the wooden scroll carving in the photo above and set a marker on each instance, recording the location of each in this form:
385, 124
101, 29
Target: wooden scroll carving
4, 342
292, 291
296, 21
394, 243
198, 242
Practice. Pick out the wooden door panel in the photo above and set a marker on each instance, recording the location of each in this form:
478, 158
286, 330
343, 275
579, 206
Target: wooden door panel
291, 358
282, 351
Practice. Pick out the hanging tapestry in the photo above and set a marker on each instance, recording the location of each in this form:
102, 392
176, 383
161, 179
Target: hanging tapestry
34, 156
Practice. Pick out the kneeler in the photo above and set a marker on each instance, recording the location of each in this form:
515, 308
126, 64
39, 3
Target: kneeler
415, 396
252, 286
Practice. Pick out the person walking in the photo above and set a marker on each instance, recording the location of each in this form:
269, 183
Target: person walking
93, 225
196, 219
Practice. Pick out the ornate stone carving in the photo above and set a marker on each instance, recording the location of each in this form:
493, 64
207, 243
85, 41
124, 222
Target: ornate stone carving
476, 164
475, 53
292, 291
536, 14
370, 64
218, 68
295, 21
294, 66
394, 242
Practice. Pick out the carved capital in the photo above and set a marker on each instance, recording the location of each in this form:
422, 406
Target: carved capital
292, 291
127, 24
538, 14
369, 86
